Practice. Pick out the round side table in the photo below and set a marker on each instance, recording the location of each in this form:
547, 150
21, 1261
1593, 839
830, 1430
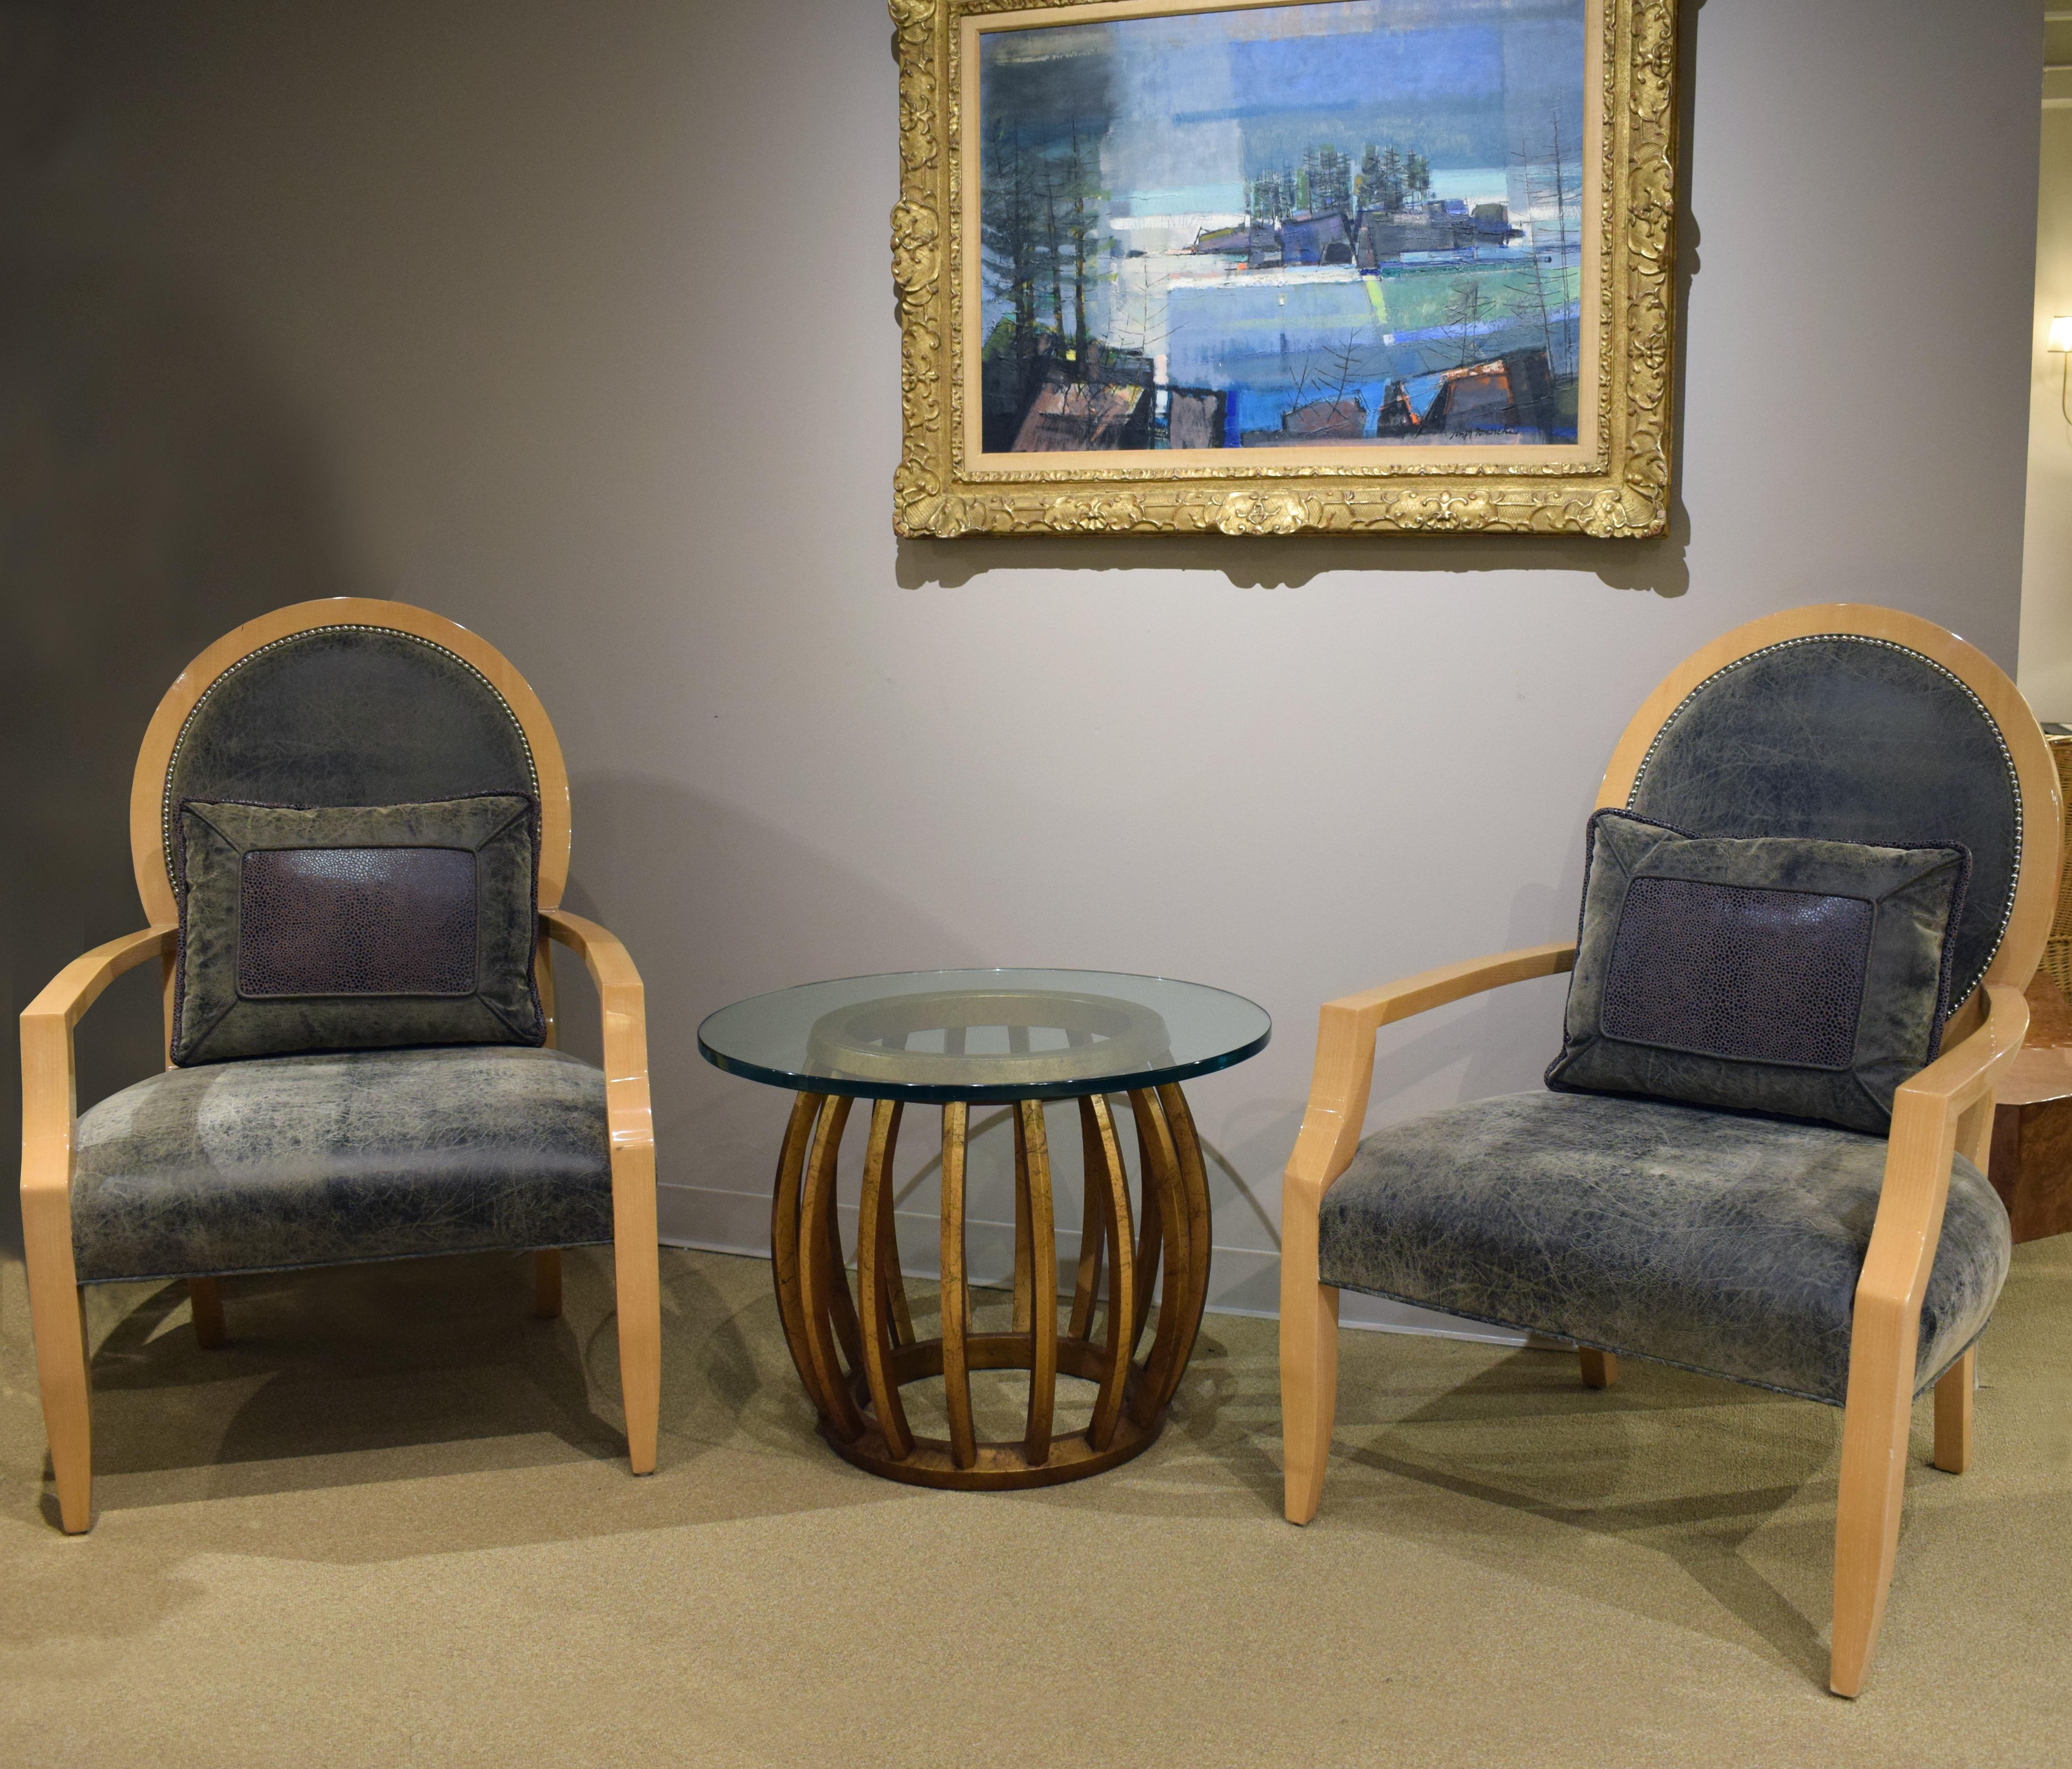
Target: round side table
958, 1038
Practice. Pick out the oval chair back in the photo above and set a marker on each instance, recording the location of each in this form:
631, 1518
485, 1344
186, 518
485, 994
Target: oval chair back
345, 701
1861, 724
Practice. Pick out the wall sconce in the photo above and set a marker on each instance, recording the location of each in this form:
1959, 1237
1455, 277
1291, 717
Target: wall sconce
2060, 342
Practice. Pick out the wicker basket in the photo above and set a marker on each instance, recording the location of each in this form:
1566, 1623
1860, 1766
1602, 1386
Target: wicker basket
2057, 952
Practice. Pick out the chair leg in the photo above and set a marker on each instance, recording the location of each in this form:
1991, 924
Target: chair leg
1875, 1428
1309, 1362
1600, 1368
1953, 1413
547, 1283
636, 1260
205, 1298
65, 1377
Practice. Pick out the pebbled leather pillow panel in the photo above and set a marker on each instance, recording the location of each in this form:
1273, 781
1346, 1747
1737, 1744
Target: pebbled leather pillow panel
1738, 971
357, 921
1735, 972
371, 927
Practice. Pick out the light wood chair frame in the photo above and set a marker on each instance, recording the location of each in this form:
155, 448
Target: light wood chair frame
50, 1099
1947, 1107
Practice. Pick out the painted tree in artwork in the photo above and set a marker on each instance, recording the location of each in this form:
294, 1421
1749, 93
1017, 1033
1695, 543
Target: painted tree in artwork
1011, 233
1417, 178
1468, 312
1330, 179
1079, 191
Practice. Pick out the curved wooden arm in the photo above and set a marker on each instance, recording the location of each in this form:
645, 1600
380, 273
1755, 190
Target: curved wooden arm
1947, 1107
50, 1091
624, 1001
635, 1259
1344, 1075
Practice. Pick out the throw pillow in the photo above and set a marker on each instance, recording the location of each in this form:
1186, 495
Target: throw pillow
1803, 978
356, 928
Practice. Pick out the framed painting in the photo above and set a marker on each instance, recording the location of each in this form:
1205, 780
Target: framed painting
1265, 268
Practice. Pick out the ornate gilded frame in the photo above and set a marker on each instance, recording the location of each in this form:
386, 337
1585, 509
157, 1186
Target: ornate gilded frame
1614, 482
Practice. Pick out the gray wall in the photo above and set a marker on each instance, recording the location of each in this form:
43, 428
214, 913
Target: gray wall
573, 321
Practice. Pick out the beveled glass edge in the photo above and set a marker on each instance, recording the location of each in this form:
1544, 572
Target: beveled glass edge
1002, 1093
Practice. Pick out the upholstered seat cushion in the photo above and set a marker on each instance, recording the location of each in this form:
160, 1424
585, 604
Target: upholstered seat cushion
1719, 1241
288, 1161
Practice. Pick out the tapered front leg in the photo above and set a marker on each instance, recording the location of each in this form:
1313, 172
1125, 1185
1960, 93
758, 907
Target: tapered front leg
636, 1268
1309, 1358
1876, 1425
66, 1379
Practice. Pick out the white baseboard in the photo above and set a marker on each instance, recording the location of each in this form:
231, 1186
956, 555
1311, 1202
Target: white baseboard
1242, 1280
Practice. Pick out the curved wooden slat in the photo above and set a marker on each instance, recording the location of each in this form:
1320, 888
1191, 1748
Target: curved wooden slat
784, 1199
893, 1277
840, 1305
1086, 1282
1023, 1232
1194, 1188
1162, 1176
956, 1295
821, 1274
1097, 1126
1032, 1164
1150, 1234
872, 1222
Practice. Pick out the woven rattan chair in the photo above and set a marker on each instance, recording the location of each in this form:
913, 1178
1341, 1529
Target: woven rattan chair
1843, 1267
280, 1162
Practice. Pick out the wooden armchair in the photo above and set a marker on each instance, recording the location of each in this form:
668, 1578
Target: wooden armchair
1823, 1262
278, 1162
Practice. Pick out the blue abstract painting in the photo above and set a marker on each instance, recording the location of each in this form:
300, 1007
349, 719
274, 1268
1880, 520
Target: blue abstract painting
1287, 226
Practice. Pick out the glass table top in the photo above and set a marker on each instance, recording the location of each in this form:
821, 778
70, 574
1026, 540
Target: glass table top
984, 1035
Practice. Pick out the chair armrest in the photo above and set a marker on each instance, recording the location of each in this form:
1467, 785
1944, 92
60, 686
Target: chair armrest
1927, 1131
50, 1090
1344, 1075
624, 1001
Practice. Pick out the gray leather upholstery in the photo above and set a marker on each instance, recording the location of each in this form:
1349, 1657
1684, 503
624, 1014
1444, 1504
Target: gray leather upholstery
1718, 1241
1852, 739
290, 1161
349, 715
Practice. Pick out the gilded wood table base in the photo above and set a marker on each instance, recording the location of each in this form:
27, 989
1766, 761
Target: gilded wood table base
855, 1350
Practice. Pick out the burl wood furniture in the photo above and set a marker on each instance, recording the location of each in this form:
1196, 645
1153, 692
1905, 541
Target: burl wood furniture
1851, 755
347, 701
959, 1039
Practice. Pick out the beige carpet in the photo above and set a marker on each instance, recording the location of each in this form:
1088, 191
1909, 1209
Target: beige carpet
387, 1525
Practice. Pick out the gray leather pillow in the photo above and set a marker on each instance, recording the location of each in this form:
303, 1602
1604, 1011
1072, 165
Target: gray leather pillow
355, 926
1772, 973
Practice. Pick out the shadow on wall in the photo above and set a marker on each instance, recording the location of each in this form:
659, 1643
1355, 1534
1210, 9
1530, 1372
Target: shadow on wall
156, 497
1657, 567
